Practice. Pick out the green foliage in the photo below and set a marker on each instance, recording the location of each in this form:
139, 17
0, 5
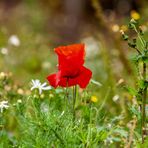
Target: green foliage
45, 120
140, 45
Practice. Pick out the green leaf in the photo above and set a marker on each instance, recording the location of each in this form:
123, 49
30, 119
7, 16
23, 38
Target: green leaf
142, 84
134, 58
125, 37
121, 132
131, 90
96, 82
135, 111
132, 44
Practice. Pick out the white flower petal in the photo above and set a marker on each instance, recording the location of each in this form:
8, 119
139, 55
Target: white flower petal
40, 91
14, 40
3, 105
47, 88
37, 84
33, 87
44, 84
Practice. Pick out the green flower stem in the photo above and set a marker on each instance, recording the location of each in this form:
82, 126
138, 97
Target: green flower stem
66, 95
139, 36
138, 51
143, 113
74, 101
144, 103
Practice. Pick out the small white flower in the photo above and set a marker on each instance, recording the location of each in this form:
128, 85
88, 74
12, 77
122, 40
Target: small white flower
4, 51
116, 98
14, 40
19, 101
108, 140
109, 125
37, 84
44, 107
3, 105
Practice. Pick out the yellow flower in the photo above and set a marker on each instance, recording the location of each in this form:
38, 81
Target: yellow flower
124, 28
135, 15
94, 99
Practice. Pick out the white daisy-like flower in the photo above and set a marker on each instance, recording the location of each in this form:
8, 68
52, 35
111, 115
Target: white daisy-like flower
3, 105
14, 40
36, 84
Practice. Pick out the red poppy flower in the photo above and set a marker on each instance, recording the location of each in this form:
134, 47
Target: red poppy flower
71, 70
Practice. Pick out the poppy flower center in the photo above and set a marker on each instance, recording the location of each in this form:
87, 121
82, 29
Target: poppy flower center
71, 74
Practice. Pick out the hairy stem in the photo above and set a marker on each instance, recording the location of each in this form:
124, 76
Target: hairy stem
144, 103
140, 38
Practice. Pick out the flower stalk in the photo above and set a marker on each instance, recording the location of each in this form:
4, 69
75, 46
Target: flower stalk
144, 103
74, 101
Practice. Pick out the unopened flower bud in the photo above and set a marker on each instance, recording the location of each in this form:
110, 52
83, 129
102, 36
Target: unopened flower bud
122, 32
133, 21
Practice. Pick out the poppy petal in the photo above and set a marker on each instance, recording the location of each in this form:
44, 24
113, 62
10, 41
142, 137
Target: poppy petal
82, 79
54, 79
72, 55
71, 50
